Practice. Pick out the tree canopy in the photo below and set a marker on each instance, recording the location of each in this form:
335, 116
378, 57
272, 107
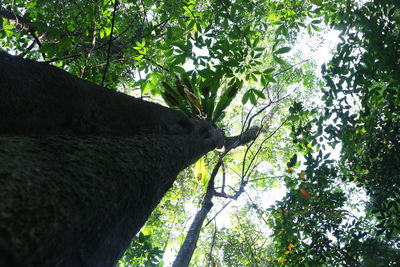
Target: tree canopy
316, 182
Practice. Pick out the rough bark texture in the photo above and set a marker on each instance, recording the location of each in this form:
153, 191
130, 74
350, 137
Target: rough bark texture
36, 98
81, 166
74, 201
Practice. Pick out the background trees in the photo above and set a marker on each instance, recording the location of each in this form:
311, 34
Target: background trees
236, 63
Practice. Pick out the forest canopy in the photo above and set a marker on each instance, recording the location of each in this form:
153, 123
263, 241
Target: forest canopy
318, 181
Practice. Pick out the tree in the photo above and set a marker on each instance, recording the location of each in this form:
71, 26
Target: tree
59, 180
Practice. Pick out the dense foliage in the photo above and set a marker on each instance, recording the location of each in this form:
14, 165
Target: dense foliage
236, 63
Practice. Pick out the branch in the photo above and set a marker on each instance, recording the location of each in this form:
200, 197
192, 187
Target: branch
210, 259
259, 149
23, 24
20, 21
186, 250
234, 196
216, 214
242, 139
109, 42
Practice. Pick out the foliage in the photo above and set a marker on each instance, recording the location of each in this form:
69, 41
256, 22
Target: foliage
141, 253
360, 113
367, 70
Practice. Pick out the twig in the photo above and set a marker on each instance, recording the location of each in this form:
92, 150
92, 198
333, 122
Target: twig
256, 207
216, 214
109, 42
210, 259
260, 146
223, 177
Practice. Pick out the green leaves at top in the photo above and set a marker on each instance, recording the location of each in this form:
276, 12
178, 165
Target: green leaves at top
252, 95
226, 98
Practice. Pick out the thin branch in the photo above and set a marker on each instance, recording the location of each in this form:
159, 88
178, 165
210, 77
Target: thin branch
28, 49
210, 259
104, 44
265, 178
25, 25
291, 67
216, 214
109, 42
223, 177
256, 207
260, 146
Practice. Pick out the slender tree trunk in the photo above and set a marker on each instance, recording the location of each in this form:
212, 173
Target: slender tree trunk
81, 166
186, 251
189, 245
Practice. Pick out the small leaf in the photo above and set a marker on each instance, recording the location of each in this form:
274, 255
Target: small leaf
178, 69
282, 50
269, 70
245, 97
304, 193
309, 30
147, 87
269, 78
253, 99
279, 60
259, 93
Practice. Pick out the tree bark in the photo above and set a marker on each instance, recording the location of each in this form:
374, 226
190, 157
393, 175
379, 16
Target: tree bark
187, 249
36, 98
78, 201
81, 166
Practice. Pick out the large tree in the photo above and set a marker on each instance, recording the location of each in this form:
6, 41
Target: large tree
82, 166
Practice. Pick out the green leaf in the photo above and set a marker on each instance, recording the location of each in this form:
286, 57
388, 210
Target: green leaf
246, 97
279, 60
309, 30
253, 99
316, 28
282, 50
269, 78
178, 69
269, 70
148, 86
226, 98
259, 93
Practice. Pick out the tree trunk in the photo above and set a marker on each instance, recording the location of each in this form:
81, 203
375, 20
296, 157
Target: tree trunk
36, 98
78, 201
81, 166
187, 249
